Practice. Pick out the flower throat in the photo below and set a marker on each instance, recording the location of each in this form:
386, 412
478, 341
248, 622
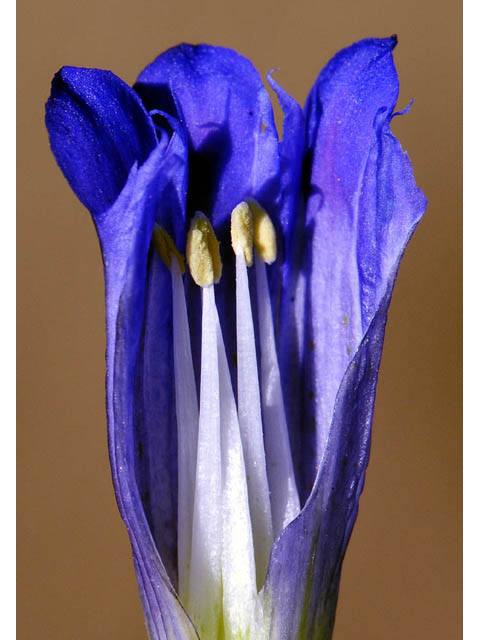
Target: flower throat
236, 484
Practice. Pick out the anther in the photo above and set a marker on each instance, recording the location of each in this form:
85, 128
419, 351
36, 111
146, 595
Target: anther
249, 404
203, 252
165, 247
264, 237
242, 231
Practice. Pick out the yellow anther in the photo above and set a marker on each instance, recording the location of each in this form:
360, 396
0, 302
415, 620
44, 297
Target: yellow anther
203, 252
264, 237
242, 231
165, 247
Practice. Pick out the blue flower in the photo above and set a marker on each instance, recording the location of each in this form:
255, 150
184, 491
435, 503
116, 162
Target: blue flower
238, 425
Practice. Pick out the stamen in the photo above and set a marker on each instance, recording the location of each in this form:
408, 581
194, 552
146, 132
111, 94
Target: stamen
238, 562
205, 589
281, 476
186, 404
187, 426
224, 481
165, 247
249, 413
203, 252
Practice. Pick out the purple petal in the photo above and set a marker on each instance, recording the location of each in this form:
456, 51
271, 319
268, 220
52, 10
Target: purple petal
285, 212
305, 564
140, 413
291, 150
98, 129
362, 203
221, 99
284, 273
171, 212
362, 209
156, 431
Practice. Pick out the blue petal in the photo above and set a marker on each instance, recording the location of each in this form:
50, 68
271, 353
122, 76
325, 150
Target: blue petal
220, 97
291, 150
171, 212
305, 564
234, 154
156, 434
362, 208
362, 201
156, 439
285, 211
98, 129
284, 273
135, 294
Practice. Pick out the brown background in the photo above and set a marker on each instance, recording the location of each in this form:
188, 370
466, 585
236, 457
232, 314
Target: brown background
75, 577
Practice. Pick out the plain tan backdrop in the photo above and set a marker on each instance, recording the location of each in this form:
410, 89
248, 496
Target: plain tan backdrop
401, 575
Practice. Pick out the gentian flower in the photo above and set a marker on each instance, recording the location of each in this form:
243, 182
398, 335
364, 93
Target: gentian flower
240, 389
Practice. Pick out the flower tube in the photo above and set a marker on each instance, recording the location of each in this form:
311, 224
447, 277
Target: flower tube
240, 393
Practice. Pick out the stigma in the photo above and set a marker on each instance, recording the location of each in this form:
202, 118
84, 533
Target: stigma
237, 488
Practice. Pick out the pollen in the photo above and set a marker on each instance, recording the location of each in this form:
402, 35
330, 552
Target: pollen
203, 252
165, 247
242, 231
264, 237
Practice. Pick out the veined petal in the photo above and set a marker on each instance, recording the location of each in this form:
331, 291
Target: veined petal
336, 270
291, 149
284, 273
172, 210
361, 206
156, 426
219, 97
304, 571
98, 129
227, 112
136, 426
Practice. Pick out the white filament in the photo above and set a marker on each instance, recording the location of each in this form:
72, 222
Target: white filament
228, 461
281, 477
250, 418
205, 589
238, 562
186, 403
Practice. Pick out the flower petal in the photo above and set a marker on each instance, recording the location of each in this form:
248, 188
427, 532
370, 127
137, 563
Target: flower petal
220, 97
304, 571
98, 129
362, 203
171, 213
362, 209
133, 397
283, 274
291, 150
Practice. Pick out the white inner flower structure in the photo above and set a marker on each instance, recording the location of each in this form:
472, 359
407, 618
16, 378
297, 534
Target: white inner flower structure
237, 488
